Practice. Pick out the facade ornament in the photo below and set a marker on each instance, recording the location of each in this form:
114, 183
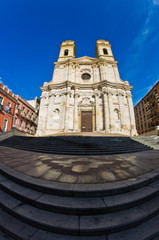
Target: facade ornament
96, 92
94, 66
105, 90
128, 95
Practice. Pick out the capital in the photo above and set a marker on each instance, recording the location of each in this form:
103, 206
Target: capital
129, 95
105, 90
94, 66
96, 93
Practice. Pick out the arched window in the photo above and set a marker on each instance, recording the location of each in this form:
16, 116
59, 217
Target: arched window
116, 114
66, 52
56, 114
56, 111
105, 51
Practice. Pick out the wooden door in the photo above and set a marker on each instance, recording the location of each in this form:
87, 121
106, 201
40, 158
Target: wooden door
86, 121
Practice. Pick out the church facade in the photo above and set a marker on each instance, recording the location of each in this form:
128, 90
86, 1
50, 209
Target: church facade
86, 95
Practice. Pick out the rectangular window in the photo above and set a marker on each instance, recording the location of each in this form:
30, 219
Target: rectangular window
5, 124
1, 100
8, 104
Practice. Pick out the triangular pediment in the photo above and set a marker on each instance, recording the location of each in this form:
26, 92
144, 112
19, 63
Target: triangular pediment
86, 59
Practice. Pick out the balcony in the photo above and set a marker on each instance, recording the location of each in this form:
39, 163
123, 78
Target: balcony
28, 117
17, 111
1, 107
7, 109
23, 114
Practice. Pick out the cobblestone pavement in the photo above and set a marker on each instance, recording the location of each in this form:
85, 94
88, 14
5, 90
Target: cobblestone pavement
80, 169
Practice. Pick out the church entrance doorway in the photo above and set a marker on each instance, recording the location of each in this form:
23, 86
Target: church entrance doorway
86, 121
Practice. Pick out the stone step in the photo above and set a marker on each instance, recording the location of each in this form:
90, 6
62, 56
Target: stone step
79, 225
81, 152
155, 238
5, 236
79, 190
78, 145
145, 231
23, 231
75, 205
74, 143
15, 228
20, 230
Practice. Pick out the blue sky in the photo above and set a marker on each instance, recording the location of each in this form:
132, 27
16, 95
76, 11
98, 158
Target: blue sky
31, 32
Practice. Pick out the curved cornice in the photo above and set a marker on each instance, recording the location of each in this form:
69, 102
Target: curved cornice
104, 83
85, 60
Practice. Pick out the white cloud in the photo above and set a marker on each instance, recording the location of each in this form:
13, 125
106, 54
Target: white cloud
146, 34
156, 2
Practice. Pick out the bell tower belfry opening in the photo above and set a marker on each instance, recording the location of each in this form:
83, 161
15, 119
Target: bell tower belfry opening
103, 50
67, 50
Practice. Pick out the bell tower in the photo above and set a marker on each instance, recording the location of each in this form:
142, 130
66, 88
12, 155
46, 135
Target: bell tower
67, 50
103, 50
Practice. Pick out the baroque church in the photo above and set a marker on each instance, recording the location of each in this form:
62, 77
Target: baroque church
86, 95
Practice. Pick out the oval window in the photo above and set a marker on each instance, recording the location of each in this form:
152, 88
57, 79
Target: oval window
86, 76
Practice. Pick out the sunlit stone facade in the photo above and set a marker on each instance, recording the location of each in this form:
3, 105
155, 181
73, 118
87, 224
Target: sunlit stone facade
86, 95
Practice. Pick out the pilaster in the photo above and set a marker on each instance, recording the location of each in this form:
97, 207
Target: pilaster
131, 114
76, 95
106, 110
96, 93
96, 77
66, 125
111, 113
122, 121
101, 67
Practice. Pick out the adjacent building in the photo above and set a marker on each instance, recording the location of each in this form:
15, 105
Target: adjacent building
7, 107
86, 95
35, 103
25, 116
147, 111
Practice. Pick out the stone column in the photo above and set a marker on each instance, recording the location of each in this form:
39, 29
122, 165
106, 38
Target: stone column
106, 110
70, 71
101, 71
105, 70
76, 110
77, 71
41, 120
66, 126
122, 121
116, 73
46, 105
131, 115
95, 73
97, 108
51, 108
111, 113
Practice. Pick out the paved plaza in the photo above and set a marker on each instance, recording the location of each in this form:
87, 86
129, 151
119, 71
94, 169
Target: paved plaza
80, 169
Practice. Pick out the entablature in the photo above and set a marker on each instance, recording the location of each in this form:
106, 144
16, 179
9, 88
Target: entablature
85, 61
102, 84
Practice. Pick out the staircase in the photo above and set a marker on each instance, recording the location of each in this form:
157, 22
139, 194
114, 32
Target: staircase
34, 209
78, 145
151, 141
